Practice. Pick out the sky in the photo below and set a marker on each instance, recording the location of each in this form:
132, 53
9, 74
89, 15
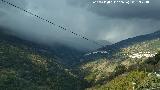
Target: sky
111, 22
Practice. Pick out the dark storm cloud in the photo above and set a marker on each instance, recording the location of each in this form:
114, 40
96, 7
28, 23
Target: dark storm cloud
121, 21
21, 3
29, 27
78, 16
137, 10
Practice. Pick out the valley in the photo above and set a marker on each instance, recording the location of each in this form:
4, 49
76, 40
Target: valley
129, 64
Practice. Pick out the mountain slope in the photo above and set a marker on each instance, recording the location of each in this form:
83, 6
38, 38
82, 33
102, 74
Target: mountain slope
144, 43
69, 55
144, 76
106, 63
28, 66
23, 67
131, 41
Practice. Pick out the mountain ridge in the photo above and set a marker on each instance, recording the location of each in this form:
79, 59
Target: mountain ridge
67, 55
135, 39
108, 64
42, 67
26, 66
109, 50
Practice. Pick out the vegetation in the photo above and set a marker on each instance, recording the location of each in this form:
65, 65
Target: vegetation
118, 73
146, 76
22, 68
26, 66
137, 80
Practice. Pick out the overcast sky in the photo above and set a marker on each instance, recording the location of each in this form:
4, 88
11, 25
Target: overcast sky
113, 22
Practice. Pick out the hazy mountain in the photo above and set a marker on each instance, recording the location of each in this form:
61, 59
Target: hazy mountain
28, 66
104, 42
68, 55
131, 41
25, 65
148, 43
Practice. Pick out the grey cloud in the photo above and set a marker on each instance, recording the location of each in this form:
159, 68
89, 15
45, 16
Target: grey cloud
125, 11
21, 3
77, 17
29, 27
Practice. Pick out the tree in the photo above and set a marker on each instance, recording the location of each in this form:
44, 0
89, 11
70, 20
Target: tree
120, 69
157, 57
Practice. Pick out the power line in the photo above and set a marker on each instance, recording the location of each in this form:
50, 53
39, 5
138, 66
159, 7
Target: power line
50, 22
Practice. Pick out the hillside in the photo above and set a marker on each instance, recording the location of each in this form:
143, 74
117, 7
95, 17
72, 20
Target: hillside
68, 55
104, 74
142, 76
104, 65
25, 66
144, 44
131, 41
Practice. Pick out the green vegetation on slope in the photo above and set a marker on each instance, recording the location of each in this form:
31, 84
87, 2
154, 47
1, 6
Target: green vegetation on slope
138, 80
25, 69
98, 71
140, 77
103, 72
